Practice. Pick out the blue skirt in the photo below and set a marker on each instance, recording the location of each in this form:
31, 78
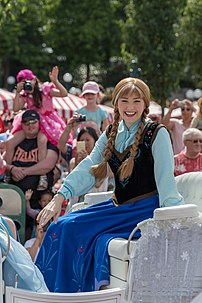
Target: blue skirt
73, 256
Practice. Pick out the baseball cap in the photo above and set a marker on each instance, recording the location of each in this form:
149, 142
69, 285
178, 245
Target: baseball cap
30, 115
25, 74
90, 87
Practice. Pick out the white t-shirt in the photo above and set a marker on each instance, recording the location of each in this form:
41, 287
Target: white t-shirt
29, 244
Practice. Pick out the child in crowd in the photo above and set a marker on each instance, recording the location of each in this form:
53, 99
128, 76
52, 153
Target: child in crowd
33, 245
46, 197
91, 110
37, 96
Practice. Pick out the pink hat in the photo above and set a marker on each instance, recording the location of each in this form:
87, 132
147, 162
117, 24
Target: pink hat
90, 87
25, 74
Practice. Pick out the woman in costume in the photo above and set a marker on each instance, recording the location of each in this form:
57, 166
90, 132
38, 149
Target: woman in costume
73, 256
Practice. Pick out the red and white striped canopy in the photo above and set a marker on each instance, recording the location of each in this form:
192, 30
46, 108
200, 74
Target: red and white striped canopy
64, 106
6, 100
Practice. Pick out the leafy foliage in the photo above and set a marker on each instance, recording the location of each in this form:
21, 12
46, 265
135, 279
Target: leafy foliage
150, 37
191, 42
90, 32
104, 40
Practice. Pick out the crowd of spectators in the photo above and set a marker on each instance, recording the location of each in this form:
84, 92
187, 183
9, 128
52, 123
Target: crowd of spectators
24, 166
21, 162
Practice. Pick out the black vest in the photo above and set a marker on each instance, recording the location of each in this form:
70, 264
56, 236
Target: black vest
141, 183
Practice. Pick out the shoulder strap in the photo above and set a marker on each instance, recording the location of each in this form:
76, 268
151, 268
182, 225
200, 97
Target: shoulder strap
150, 132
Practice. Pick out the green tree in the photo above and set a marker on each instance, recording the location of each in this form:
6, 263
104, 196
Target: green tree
85, 33
23, 25
191, 43
150, 38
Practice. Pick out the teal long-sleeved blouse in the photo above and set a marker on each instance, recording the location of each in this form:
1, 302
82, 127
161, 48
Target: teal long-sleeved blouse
80, 180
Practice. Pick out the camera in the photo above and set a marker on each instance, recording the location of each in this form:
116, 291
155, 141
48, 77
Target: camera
27, 86
81, 118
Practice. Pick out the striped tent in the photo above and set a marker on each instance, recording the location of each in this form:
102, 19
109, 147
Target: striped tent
6, 100
67, 105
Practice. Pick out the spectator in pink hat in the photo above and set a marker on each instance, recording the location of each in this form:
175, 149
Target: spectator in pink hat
37, 96
92, 111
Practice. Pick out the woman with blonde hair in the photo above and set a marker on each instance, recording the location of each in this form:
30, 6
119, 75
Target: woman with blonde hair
74, 255
197, 121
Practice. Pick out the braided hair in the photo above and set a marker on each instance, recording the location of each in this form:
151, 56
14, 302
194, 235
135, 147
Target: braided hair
37, 94
125, 87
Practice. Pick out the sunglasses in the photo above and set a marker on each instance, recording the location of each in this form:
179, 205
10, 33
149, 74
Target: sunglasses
27, 123
185, 108
195, 141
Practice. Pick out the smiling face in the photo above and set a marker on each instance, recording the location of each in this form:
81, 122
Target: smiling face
130, 108
131, 97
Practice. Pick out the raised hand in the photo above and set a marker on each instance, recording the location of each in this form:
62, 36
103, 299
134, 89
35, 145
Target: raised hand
28, 194
53, 75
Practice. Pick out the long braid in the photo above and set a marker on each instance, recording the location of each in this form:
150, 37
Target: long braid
127, 166
100, 170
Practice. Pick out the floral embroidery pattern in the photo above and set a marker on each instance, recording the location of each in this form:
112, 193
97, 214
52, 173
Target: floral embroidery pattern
78, 267
46, 260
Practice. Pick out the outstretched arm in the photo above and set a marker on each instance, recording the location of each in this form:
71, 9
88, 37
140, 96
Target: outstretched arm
62, 143
78, 182
164, 170
166, 119
60, 90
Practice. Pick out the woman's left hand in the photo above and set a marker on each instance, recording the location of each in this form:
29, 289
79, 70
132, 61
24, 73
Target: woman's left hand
53, 75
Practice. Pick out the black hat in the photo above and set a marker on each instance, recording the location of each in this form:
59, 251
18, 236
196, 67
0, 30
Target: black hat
30, 115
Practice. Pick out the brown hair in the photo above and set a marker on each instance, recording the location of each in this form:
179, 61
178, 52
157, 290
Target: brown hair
125, 87
37, 94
